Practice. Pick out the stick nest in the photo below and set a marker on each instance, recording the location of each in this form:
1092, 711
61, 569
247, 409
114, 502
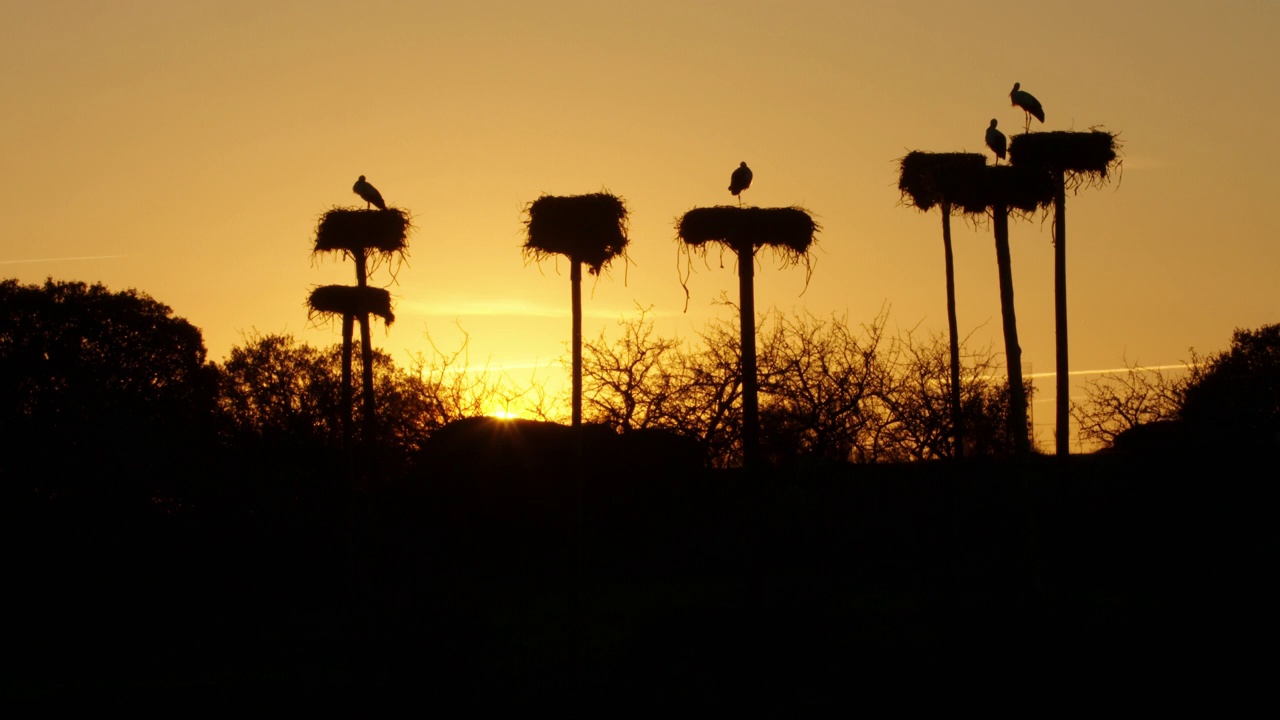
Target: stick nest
1085, 158
928, 179
789, 230
591, 229
970, 185
356, 230
343, 300
1018, 188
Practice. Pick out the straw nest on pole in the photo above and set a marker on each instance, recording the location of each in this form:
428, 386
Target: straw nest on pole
356, 230
591, 229
1017, 188
789, 230
930, 179
970, 185
340, 300
1085, 158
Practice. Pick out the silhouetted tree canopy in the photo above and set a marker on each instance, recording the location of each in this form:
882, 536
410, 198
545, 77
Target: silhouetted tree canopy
1235, 397
1227, 401
91, 378
280, 400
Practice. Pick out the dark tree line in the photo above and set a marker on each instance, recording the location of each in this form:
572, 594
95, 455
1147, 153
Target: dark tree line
111, 392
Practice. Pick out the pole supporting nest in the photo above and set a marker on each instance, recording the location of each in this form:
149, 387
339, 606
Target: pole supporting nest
587, 229
742, 230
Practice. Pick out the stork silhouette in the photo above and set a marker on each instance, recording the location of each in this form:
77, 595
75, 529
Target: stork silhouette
741, 180
1029, 104
997, 141
369, 194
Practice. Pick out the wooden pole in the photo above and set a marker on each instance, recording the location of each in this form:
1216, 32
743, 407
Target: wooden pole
1012, 351
348, 321
750, 386
957, 418
1063, 373
366, 352
575, 280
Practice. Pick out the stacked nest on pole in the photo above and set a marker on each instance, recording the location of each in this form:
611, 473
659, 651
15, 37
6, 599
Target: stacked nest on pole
354, 230
970, 185
1085, 158
340, 300
591, 229
930, 179
1017, 188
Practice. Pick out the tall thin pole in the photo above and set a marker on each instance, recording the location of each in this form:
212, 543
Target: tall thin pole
957, 420
348, 322
1012, 351
366, 351
750, 387
1063, 374
575, 279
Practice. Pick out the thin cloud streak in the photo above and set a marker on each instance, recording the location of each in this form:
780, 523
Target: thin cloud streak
507, 308
62, 259
1113, 371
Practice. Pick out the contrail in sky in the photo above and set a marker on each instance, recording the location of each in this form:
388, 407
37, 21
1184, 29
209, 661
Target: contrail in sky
1110, 371
61, 259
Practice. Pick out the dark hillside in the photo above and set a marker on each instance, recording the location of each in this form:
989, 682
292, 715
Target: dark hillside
695, 587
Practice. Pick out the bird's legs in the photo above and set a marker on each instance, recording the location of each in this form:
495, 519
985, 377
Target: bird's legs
1027, 128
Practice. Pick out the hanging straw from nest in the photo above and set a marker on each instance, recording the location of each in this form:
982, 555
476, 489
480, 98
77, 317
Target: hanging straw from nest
342, 300
1086, 158
929, 179
788, 231
355, 230
591, 229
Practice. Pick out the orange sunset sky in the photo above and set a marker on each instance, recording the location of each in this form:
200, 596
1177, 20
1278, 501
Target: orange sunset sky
187, 150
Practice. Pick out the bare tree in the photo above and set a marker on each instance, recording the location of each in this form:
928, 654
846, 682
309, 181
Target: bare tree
821, 380
829, 390
634, 382
1115, 403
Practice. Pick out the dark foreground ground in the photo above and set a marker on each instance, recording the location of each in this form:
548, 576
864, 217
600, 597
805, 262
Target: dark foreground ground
975, 584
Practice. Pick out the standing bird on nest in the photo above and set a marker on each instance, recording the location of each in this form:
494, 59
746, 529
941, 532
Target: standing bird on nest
1029, 104
740, 181
369, 194
996, 141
